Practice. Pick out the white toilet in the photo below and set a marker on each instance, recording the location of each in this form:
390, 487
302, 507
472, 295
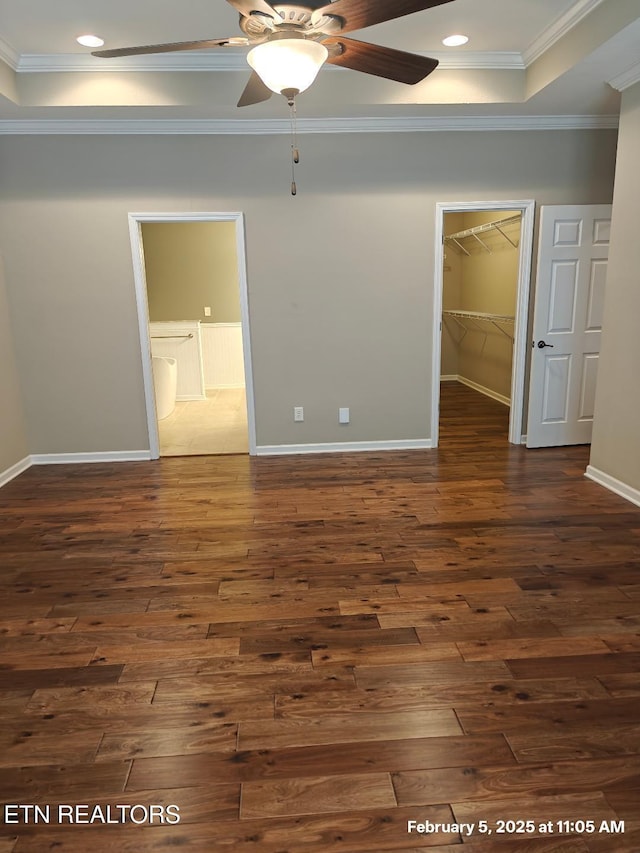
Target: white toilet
165, 383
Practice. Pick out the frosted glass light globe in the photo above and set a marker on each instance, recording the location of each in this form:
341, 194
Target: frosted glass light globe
285, 64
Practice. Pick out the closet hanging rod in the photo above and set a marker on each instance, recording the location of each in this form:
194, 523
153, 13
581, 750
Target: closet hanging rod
478, 317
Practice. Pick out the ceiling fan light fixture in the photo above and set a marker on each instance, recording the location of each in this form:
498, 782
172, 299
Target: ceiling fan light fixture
288, 64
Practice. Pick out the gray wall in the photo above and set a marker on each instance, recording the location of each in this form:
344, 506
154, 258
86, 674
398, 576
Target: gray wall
615, 448
340, 277
13, 438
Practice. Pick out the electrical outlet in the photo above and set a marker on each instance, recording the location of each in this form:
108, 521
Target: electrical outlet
343, 415
207, 311
298, 413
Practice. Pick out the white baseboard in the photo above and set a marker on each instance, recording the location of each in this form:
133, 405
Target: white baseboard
449, 377
15, 470
343, 447
617, 486
102, 456
488, 392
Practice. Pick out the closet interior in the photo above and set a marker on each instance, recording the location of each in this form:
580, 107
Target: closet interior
480, 283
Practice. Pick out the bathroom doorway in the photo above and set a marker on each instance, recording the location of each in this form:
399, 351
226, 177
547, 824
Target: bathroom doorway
191, 290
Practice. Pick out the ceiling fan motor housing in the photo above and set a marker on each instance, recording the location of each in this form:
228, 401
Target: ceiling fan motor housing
292, 17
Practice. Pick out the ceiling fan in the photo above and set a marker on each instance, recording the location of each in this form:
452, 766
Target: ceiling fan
291, 41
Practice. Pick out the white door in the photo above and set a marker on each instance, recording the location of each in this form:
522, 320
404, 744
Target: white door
572, 265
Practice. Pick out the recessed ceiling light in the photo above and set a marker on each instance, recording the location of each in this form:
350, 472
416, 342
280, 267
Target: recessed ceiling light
455, 41
90, 41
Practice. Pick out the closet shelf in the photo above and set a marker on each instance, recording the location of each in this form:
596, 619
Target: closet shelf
480, 317
495, 225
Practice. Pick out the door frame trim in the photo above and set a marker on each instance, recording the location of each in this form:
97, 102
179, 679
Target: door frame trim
136, 220
521, 337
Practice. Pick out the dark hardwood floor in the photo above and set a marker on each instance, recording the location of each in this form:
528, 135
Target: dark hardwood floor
310, 654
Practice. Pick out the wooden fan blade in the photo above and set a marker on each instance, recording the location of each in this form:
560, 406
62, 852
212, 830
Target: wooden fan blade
169, 48
249, 7
358, 14
380, 61
254, 92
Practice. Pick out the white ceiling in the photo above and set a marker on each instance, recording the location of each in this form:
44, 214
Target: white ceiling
537, 62
42, 26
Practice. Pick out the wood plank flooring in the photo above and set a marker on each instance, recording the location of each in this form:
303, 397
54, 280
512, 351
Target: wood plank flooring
404, 651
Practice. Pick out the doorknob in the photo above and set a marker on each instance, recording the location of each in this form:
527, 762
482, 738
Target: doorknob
543, 344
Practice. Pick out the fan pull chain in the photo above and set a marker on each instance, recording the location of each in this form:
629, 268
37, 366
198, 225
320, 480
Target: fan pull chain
295, 154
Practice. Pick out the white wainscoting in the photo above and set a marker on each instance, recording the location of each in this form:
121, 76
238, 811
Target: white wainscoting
222, 355
181, 340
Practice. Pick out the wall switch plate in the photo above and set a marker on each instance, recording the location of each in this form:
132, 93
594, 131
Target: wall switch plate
207, 311
343, 415
298, 413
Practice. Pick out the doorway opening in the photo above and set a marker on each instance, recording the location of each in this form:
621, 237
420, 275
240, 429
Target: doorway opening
193, 314
482, 284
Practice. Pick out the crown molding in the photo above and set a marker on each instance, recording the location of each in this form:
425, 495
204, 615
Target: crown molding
626, 79
231, 59
8, 55
505, 60
267, 127
558, 29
